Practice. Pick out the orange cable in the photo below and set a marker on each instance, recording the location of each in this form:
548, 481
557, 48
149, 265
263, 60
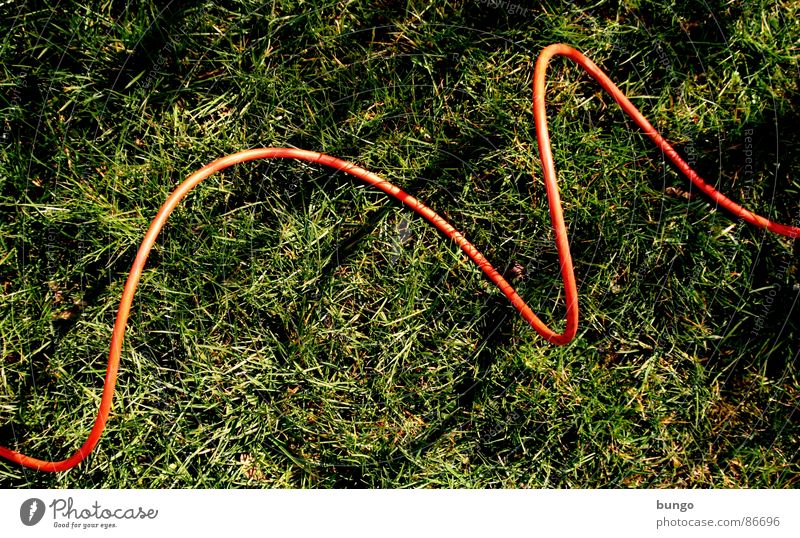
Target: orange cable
556, 217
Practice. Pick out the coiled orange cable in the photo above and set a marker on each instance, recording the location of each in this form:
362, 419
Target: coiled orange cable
556, 216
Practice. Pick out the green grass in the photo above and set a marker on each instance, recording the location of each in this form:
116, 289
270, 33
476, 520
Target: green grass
296, 329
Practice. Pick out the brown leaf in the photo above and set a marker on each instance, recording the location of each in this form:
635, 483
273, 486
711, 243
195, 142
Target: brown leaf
680, 193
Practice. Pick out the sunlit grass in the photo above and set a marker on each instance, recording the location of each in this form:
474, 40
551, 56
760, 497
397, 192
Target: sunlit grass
296, 329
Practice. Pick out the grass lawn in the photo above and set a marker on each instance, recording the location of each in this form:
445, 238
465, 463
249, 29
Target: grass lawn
294, 328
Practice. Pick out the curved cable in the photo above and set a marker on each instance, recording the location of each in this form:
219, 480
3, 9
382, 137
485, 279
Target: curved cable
556, 217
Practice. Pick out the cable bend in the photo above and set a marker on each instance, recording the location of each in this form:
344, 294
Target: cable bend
596, 73
556, 217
